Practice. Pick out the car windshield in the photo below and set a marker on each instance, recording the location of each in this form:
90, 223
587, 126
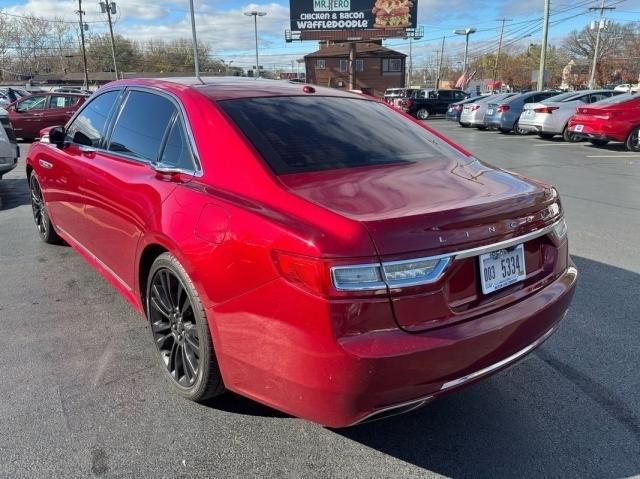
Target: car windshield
305, 134
618, 99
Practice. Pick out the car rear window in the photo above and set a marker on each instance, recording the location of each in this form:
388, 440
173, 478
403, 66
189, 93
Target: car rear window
619, 99
306, 134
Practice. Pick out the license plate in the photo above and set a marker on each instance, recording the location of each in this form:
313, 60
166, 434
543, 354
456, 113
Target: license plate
502, 268
579, 128
490, 111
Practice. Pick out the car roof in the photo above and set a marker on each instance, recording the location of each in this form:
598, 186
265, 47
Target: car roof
231, 88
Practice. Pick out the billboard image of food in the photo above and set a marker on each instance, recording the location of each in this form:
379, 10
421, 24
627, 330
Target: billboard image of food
323, 15
392, 13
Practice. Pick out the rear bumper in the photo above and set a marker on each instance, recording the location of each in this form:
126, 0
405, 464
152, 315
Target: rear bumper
347, 380
7, 164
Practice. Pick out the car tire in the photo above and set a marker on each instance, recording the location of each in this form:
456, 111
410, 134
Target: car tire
632, 140
504, 131
517, 130
46, 230
570, 137
464, 125
598, 142
181, 332
546, 136
423, 114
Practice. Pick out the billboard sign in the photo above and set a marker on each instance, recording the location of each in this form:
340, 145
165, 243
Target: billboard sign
314, 15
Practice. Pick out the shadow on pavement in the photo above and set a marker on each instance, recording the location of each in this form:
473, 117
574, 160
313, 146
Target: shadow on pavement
14, 192
236, 404
570, 410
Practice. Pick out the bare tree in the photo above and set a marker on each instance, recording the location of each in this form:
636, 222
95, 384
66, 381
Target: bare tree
581, 45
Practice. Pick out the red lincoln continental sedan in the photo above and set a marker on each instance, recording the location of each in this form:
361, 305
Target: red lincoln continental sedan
315, 250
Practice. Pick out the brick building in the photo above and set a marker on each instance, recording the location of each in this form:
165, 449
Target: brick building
377, 67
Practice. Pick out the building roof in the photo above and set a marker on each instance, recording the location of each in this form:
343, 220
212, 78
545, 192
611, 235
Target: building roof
341, 50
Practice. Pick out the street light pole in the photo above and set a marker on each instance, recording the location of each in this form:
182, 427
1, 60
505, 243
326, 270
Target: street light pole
466, 32
255, 14
196, 59
109, 7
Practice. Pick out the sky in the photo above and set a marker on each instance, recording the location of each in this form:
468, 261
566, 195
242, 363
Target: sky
230, 35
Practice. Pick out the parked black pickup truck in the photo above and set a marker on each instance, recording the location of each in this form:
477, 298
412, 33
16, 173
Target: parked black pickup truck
435, 102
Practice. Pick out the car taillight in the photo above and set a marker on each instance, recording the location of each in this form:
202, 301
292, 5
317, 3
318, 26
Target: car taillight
559, 231
502, 108
475, 107
395, 274
336, 278
545, 109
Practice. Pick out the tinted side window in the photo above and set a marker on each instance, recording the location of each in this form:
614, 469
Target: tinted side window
176, 151
88, 126
597, 97
445, 95
141, 125
62, 101
33, 103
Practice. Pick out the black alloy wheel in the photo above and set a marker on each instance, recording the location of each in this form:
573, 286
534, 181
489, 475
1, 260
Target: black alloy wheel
569, 136
180, 331
40, 214
633, 140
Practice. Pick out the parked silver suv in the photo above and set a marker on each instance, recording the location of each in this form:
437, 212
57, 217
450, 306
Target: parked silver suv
9, 149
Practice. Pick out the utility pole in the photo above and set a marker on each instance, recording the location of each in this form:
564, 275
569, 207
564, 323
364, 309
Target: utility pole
109, 7
600, 25
543, 49
84, 52
352, 66
410, 72
495, 65
440, 64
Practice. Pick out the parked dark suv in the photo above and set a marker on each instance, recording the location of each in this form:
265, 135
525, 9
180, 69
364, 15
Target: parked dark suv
436, 102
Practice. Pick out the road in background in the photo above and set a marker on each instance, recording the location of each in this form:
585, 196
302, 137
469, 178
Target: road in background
82, 395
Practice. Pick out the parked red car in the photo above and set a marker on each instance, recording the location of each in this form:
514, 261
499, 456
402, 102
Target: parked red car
32, 113
614, 119
314, 250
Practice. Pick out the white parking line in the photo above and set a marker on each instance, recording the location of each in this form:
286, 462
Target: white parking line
613, 156
555, 144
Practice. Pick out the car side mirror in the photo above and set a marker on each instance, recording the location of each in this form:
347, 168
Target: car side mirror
82, 139
57, 136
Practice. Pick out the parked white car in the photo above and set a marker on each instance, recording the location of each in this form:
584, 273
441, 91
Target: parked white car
550, 117
624, 87
9, 149
473, 113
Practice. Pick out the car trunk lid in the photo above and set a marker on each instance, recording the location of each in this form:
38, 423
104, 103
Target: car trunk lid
434, 208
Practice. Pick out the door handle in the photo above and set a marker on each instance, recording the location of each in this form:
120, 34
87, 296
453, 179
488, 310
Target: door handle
45, 164
38, 114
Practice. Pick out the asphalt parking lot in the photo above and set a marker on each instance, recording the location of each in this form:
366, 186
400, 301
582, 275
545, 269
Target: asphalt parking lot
81, 395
